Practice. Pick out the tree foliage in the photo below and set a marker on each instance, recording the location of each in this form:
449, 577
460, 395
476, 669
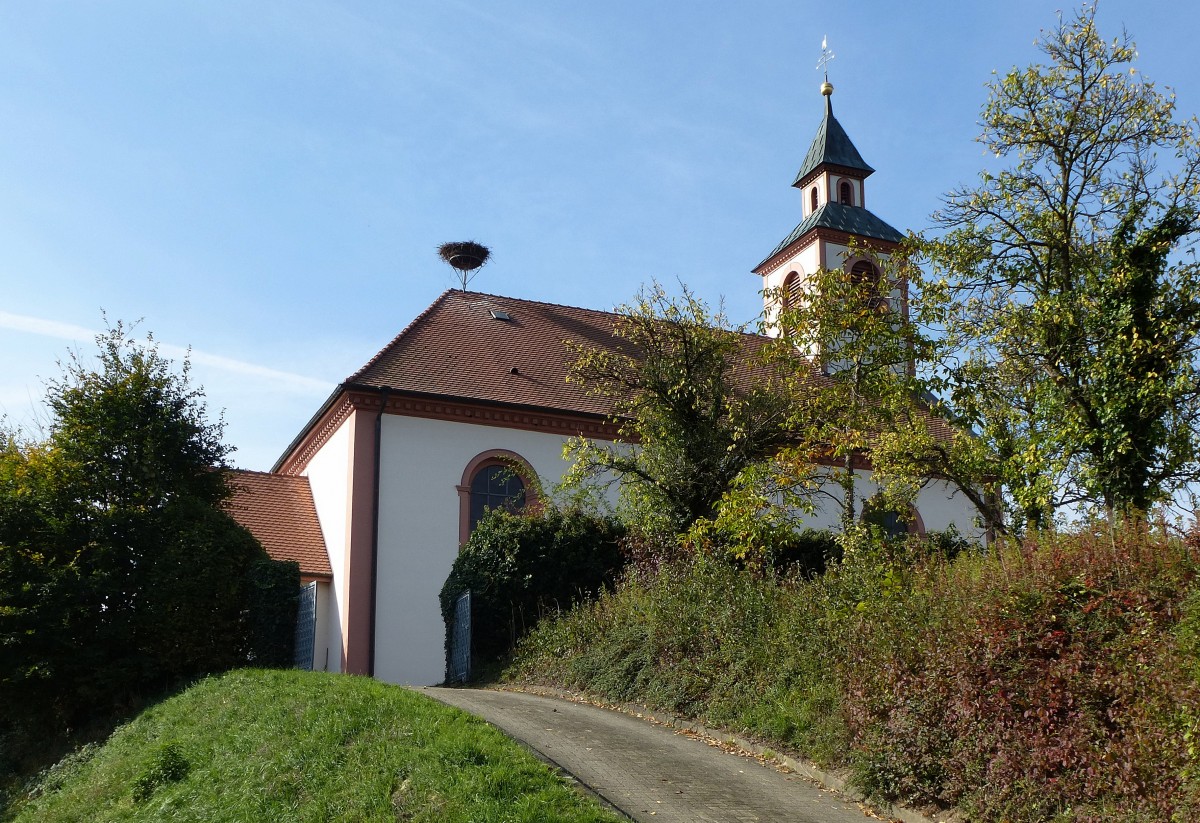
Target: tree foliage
519, 566
691, 393
120, 572
733, 439
1073, 305
851, 348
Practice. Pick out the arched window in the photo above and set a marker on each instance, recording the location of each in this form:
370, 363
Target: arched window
891, 522
846, 193
493, 479
495, 487
865, 274
791, 290
813, 197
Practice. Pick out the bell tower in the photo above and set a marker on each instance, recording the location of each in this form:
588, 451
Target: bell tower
832, 183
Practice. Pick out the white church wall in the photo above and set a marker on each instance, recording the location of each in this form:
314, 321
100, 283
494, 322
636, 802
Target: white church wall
836, 255
803, 262
422, 463
938, 503
329, 476
942, 506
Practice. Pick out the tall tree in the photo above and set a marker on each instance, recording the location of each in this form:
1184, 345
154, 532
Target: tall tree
119, 569
1075, 312
852, 349
687, 388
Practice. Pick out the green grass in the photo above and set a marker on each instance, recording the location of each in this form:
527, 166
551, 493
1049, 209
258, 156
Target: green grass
296, 746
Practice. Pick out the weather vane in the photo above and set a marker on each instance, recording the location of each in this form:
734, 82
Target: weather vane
826, 56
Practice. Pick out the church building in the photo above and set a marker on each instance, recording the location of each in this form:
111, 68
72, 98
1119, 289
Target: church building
400, 460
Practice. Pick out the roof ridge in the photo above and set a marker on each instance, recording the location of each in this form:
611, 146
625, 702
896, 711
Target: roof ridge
606, 313
444, 296
239, 470
537, 302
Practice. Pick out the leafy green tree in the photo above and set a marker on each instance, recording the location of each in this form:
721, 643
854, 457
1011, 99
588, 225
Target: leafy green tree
731, 438
696, 403
1075, 311
847, 339
120, 572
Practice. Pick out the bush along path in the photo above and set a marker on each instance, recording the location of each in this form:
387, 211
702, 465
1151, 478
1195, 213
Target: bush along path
1055, 680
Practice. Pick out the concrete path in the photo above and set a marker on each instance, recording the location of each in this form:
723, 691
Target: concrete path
650, 772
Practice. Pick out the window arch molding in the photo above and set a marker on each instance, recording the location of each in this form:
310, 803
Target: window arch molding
484, 460
846, 193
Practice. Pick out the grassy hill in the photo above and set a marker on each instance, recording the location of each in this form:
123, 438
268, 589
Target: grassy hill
298, 746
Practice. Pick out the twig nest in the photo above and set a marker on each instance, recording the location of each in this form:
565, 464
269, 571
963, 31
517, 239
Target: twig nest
466, 256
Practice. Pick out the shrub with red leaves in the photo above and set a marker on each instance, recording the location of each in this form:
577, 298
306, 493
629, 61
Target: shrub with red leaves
1045, 682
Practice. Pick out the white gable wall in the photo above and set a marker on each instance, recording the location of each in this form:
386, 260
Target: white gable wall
329, 476
422, 463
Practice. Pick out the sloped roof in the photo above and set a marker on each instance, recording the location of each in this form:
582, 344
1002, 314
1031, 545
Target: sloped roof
840, 217
831, 147
498, 349
466, 346
279, 511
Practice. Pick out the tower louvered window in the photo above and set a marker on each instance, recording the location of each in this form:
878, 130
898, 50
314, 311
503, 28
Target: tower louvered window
791, 290
867, 275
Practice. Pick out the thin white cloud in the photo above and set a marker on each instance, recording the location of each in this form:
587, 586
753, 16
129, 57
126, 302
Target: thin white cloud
228, 364
44, 328
66, 331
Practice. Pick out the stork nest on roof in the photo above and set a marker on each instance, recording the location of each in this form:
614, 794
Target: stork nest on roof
466, 256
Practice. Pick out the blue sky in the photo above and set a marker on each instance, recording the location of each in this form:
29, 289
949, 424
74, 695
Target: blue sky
267, 182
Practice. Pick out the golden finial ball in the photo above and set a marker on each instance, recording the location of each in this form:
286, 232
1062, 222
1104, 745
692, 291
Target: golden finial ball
827, 88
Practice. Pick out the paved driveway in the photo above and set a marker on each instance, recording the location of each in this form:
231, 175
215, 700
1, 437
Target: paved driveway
649, 772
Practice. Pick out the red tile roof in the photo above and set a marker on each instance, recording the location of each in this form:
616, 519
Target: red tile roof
485, 347
280, 512
462, 346
458, 347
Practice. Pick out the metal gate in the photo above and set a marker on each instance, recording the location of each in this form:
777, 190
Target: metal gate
306, 627
458, 664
